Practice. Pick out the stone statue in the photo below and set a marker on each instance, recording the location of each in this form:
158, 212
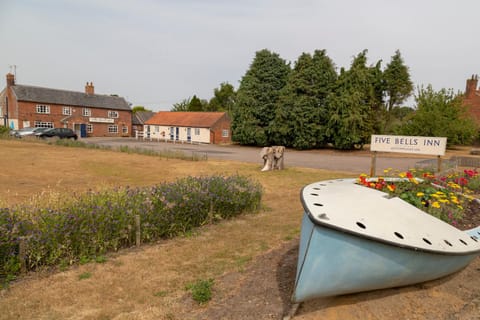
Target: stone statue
272, 158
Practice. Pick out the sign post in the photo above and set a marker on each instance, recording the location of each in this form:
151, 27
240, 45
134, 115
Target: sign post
407, 144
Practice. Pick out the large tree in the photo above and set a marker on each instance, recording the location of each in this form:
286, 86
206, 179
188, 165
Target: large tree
398, 86
195, 104
301, 113
257, 98
181, 106
440, 114
223, 98
351, 106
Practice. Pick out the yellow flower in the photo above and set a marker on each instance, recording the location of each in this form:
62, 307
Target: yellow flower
436, 205
443, 200
402, 174
420, 194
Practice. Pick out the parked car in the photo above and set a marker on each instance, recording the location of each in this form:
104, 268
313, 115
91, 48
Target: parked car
30, 131
62, 133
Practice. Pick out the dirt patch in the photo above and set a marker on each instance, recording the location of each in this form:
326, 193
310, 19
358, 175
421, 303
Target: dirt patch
263, 292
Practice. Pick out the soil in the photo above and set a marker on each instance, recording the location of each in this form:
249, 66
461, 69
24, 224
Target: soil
263, 292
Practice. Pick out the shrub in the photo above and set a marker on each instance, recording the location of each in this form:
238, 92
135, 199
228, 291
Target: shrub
91, 224
201, 290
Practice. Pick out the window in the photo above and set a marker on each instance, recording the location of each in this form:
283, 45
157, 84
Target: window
86, 112
157, 129
112, 114
113, 129
67, 111
225, 133
41, 108
89, 128
43, 124
197, 131
124, 129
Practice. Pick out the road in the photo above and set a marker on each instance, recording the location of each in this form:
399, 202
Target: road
349, 161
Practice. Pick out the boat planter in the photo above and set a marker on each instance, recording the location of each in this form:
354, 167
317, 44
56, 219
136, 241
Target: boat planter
355, 239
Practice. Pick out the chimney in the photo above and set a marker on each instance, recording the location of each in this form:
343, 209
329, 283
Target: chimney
10, 80
89, 88
471, 86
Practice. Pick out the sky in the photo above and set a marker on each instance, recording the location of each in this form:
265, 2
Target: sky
156, 53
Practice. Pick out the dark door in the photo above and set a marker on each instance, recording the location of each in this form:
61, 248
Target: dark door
83, 130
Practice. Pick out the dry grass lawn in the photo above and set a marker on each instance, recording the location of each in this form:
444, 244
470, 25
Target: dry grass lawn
145, 283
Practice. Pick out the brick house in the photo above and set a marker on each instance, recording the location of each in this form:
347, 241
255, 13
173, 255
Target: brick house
190, 127
87, 113
138, 121
472, 98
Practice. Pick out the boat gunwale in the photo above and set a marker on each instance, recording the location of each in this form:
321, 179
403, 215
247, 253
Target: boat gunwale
377, 239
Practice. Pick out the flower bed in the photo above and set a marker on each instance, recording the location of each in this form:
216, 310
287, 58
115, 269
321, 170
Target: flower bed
98, 222
451, 198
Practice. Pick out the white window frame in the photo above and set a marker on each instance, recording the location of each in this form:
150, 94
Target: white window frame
112, 114
225, 133
124, 129
89, 128
197, 131
43, 124
43, 108
67, 111
86, 112
113, 128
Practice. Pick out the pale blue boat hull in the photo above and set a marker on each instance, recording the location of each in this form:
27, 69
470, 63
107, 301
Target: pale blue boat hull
333, 262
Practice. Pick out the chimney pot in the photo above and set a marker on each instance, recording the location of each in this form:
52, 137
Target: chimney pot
89, 88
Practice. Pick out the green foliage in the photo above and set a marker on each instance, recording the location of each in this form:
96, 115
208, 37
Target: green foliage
4, 131
201, 290
440, 114
224, 98
398, 86
350, 106
301, 114
257, 98
195, 104
82, 228
181, 106
139, 108
85, 275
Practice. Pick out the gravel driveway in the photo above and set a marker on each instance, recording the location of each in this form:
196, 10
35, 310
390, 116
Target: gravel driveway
350, 161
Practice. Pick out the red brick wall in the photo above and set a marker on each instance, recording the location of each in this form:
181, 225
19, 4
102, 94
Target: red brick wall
216, 135
26, 111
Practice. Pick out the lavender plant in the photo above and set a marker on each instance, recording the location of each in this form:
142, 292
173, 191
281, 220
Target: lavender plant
94, 223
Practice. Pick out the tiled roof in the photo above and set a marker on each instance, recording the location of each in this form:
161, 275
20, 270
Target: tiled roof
68, 98
186, 119
140, 117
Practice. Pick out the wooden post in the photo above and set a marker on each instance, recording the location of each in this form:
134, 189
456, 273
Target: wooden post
137, 229
373, 164
439, 163
22, 252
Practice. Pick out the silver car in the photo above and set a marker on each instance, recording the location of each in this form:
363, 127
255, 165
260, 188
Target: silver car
29, 132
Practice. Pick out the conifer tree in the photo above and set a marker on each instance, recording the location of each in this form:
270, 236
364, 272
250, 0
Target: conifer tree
257, 98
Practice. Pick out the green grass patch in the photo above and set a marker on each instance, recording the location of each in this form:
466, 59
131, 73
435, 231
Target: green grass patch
201, 290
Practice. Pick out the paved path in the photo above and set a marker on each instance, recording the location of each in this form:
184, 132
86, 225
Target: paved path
351, 161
